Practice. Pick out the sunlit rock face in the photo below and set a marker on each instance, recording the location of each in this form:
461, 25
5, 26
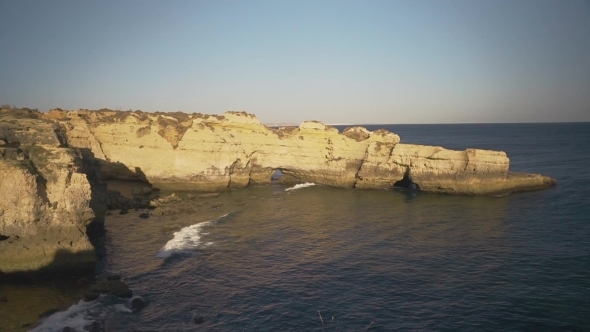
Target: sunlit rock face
51, 167
233, 150
47, 198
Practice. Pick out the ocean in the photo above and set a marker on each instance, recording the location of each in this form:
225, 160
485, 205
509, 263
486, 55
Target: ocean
315, 258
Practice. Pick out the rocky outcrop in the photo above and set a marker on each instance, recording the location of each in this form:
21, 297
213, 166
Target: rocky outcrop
233, 150
49, 195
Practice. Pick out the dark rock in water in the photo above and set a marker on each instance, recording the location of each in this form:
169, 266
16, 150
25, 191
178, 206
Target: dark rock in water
158, 212
120, 289
170, 229
144, 215
216, 205
138, 303
91, 296
67, 329
117, 201
113, 277
114, 287
48, 313
199, 320
145, 191
124, 211
94, 327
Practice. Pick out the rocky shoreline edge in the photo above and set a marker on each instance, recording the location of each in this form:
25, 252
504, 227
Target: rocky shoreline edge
53, 168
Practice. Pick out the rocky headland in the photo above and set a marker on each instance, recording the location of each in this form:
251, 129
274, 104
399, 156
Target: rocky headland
214, 152
52, 168
50, 197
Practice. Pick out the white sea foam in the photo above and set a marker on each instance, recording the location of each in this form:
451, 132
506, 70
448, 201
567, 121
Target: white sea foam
185, 240
76, 317
301, 185
122, 308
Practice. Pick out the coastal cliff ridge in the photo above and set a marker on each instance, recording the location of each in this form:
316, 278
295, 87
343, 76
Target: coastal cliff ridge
213, 152
52, 168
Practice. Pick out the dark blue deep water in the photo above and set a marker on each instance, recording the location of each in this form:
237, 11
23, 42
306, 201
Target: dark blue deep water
323, 259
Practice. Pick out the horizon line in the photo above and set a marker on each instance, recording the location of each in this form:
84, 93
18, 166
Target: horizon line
290, 124
411, 124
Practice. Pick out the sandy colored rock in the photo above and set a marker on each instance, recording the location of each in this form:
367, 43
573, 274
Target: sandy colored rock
179, 151
47, 198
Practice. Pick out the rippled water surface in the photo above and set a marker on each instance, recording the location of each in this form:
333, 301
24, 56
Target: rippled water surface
325, 259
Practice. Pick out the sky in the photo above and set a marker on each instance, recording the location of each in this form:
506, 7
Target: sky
419, 61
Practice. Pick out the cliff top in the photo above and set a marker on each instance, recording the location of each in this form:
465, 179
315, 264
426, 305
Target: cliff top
178, 122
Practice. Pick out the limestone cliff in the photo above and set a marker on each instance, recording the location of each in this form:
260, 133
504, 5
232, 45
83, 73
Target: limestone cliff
47, 198
233, 150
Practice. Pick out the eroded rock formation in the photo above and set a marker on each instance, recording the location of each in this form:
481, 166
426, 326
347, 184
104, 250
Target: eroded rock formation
51, 189
233, 150
49, 194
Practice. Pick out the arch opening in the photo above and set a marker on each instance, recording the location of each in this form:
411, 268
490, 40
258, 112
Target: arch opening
276, 175
406, 182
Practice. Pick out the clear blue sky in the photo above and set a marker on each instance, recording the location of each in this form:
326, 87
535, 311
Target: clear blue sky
404, 61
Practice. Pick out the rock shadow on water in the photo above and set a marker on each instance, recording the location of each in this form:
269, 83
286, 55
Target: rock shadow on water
64, 263
27, 296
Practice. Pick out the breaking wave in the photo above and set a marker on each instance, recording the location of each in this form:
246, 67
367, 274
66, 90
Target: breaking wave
185, 240
76, 317
301, 185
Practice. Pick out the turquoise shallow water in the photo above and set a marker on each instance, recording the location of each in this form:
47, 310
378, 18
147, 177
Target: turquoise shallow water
272, 260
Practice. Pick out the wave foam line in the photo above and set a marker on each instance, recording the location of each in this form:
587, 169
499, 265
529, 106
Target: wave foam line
301, 185
186, 239
76, 317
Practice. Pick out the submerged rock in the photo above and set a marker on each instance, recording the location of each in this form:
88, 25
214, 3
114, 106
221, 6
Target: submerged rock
113, 286
95, 326
48, 312
145, 191
138, 303
215, 205
170, 229
118, 201
158, 211
209, 195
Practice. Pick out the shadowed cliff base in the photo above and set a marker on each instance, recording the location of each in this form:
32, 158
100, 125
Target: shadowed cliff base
64, 263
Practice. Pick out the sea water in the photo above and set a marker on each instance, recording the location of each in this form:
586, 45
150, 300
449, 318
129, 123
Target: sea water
315, 258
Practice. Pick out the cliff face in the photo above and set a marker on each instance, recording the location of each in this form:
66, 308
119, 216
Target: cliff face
50, 177
203, 152
47, 198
